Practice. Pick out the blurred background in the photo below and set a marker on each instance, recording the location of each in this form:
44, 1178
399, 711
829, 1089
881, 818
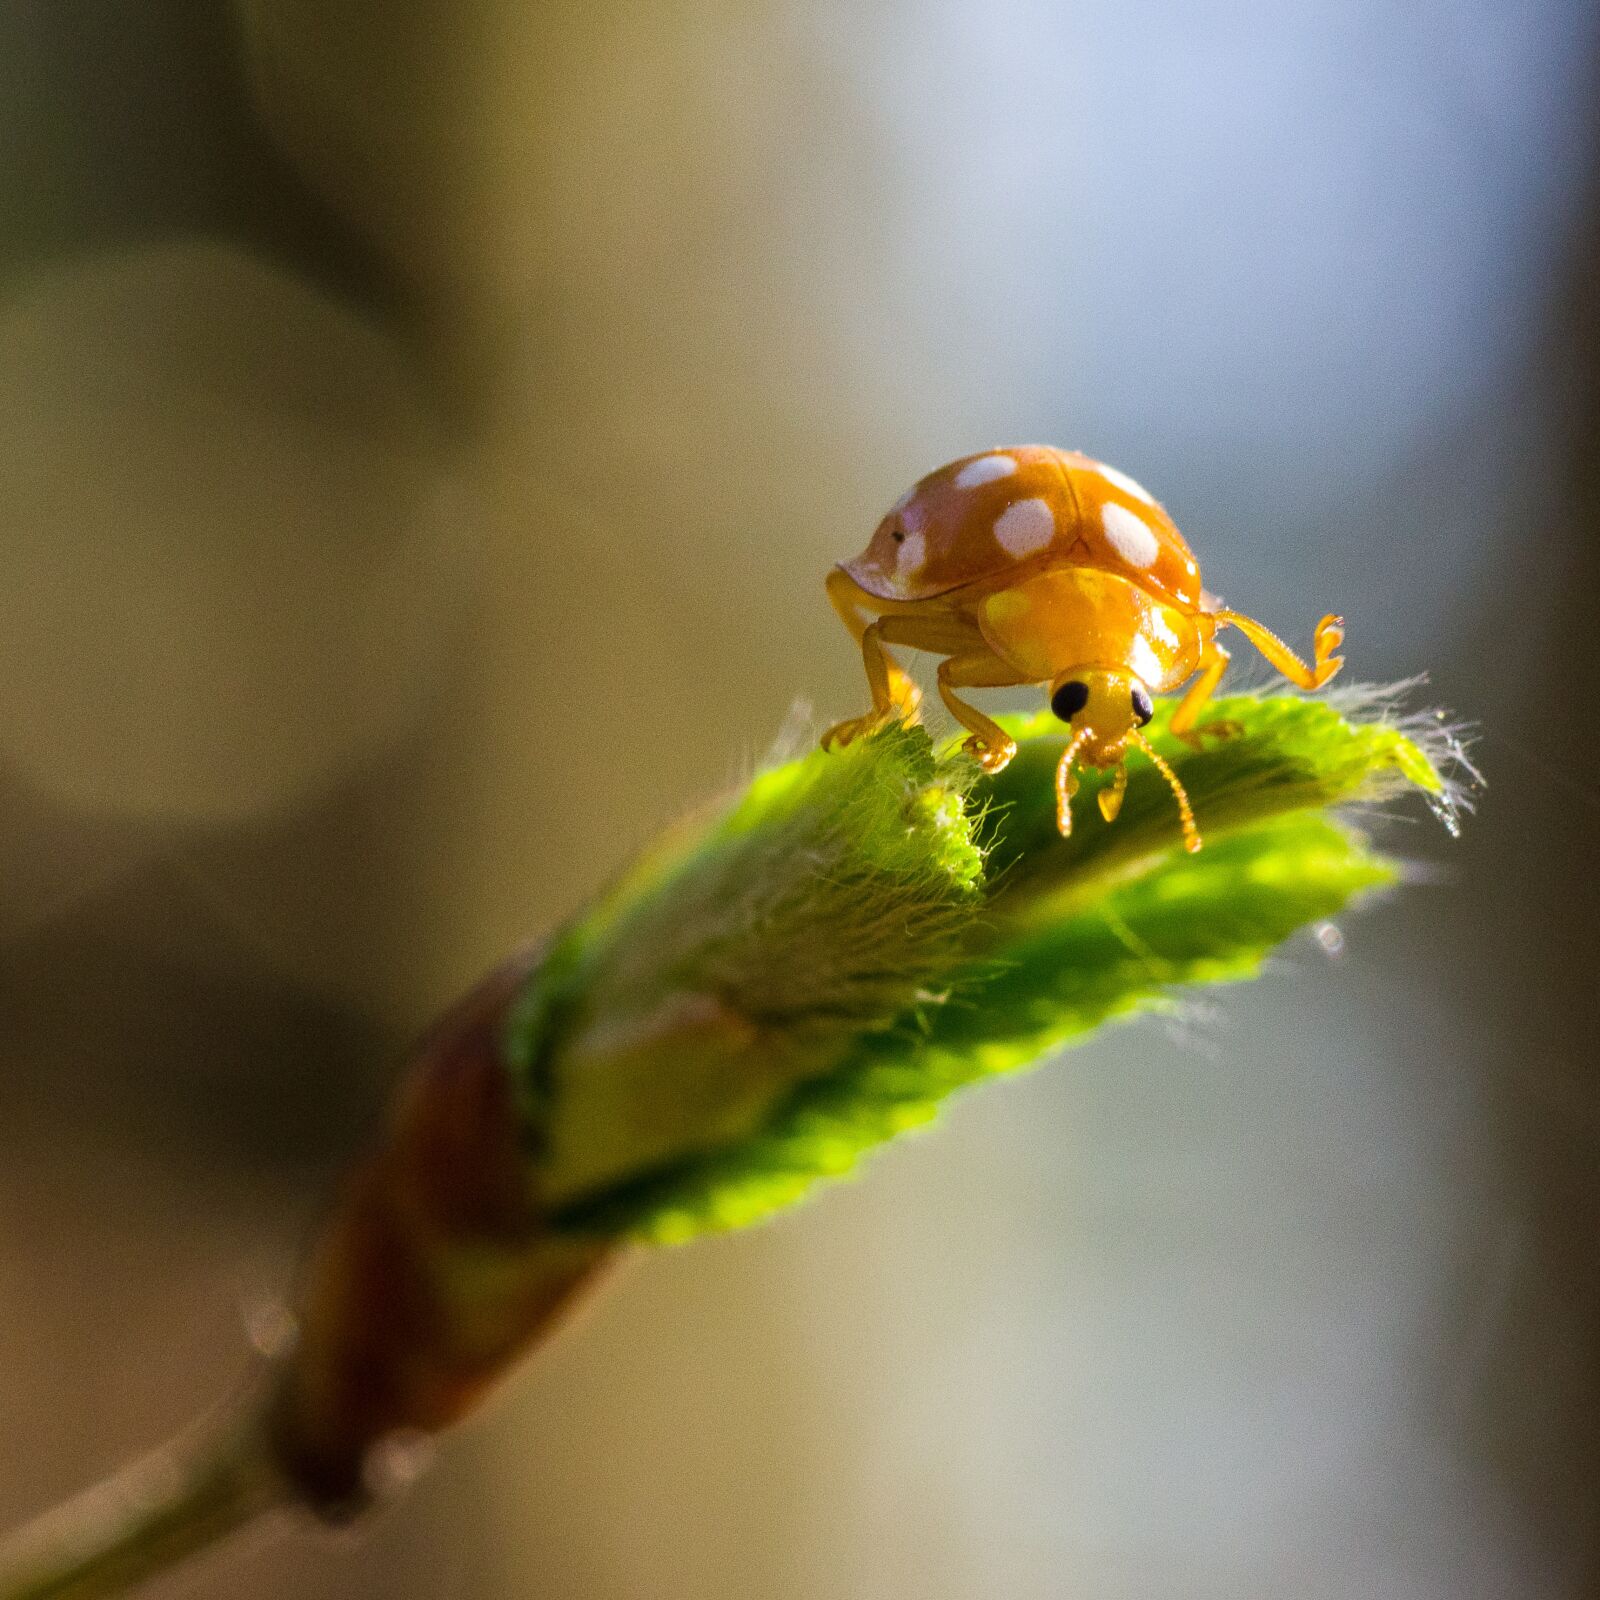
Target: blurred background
424, 428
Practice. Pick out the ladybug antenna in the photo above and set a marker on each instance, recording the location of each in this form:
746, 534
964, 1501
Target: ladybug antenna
1191, 834
1066, 784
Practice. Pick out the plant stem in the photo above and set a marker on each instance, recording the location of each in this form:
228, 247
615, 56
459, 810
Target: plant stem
145, 1519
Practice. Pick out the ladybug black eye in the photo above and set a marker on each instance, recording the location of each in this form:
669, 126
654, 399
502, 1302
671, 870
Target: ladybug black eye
1069, 699
1143, 707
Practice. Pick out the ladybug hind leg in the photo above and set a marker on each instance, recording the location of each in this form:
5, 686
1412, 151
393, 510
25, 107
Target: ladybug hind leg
845, 595
893, 693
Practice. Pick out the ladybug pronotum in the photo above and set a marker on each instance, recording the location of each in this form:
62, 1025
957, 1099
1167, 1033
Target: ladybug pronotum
1037, 565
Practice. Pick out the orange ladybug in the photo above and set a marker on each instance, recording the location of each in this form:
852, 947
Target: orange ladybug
1036, 565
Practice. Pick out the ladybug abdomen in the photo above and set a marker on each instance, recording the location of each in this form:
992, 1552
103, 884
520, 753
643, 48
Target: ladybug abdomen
979, 519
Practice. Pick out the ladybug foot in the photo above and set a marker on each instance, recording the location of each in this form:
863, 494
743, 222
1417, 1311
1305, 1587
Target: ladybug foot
1328, 637
992, 758
1223, 728
853, 728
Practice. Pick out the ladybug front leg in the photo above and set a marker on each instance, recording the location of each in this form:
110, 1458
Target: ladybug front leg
1213, 663
1327, 638
990, 744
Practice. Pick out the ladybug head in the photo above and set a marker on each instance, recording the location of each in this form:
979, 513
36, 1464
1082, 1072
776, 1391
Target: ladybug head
1103, 707
1106, 708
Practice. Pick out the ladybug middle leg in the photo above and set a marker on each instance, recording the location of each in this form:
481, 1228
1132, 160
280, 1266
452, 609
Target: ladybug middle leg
1213, 663
990, 744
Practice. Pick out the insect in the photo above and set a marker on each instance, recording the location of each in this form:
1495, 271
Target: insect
1036, 565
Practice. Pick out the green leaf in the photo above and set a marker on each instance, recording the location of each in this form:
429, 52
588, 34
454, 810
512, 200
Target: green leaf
750, 950
812, 970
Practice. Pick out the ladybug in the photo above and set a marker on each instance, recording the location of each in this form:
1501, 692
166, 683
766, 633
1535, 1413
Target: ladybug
1037, 565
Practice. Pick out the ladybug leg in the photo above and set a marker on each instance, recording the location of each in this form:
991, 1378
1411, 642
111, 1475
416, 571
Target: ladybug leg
846, 600
1327, 638
1213, 663
893, 693
990, 744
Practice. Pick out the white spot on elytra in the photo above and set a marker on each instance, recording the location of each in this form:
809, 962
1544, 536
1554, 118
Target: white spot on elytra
1027, 526
1129, 537
984, 470
1125, 483
909, 555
